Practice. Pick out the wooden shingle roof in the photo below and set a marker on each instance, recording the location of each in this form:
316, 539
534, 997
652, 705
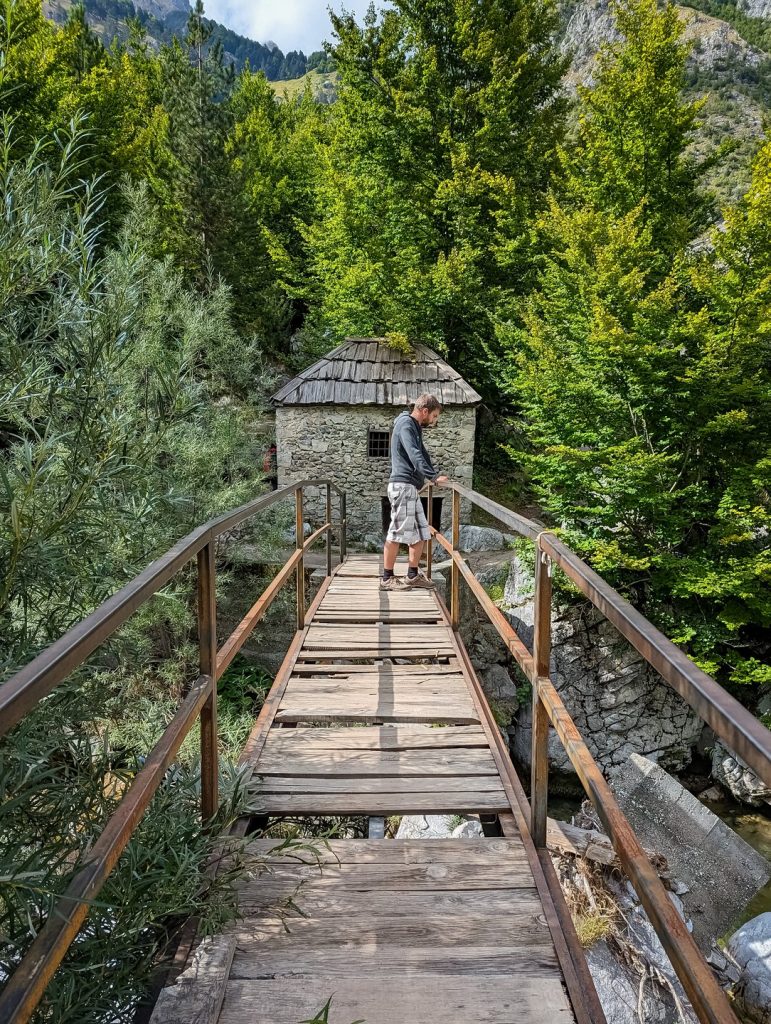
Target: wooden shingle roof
367, 371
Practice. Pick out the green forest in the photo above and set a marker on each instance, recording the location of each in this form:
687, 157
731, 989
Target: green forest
174, 238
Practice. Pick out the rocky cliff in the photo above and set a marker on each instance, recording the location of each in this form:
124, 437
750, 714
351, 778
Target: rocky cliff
731, 74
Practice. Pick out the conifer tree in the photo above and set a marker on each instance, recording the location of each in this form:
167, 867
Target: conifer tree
194, 186
270, 147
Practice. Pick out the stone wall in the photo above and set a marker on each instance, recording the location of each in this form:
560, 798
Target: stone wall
332, 441
619, 703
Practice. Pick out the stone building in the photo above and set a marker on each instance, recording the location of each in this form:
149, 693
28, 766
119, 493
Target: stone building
334, 420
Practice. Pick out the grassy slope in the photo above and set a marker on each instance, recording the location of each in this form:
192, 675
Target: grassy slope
323, 86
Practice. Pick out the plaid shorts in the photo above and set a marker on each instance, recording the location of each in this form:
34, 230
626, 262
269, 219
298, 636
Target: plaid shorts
408, 520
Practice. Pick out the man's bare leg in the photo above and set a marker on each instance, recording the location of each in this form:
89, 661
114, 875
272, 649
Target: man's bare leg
416, 550
390, 551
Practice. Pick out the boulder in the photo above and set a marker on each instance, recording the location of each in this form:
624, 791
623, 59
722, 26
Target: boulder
483, 538
618, 985
438, 826
469, 829
737, 777
499, 685
425, 826
289, 535
727, 872
750, 946
618, 989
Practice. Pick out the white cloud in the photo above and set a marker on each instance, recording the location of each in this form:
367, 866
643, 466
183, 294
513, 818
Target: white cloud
291, 24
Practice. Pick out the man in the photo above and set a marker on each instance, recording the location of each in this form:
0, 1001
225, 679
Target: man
410, 466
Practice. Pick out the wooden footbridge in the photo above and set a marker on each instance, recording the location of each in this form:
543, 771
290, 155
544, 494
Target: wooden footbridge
376, 711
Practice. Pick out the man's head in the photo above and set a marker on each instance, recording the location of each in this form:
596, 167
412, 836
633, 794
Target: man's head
426, 410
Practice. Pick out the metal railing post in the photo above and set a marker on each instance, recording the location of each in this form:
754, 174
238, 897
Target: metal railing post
207, 646
328, 521
455, 572
430, 541
299, 536
539, 768
343, 528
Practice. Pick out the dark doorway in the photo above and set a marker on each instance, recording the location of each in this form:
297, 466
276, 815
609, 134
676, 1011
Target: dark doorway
436, 508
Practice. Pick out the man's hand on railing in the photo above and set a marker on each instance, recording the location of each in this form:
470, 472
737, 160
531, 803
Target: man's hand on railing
441, 480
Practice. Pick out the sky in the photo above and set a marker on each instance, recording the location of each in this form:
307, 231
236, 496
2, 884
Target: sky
291, 24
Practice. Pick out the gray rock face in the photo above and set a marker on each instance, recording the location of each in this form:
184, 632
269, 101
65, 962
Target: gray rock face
721, 872
713, 42
499, 685
619, 703
751, 948
755, 8
737, 777
482, 538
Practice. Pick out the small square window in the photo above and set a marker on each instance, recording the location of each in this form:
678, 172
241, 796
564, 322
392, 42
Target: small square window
379, 444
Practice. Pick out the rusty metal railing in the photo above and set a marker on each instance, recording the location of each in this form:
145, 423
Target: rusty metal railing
40, 677
730, 721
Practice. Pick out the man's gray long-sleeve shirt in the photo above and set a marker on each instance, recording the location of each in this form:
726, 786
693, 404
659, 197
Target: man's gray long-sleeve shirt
410, 462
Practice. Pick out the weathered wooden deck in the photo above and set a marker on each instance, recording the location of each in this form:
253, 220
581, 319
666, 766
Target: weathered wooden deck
373, 714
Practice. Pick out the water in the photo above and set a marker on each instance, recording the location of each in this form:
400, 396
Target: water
754, 828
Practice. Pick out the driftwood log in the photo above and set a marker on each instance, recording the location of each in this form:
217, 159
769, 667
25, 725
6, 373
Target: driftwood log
583, 842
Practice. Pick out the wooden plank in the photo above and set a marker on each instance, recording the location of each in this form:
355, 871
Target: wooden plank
320, 647
350, 605
324, 696
466, 873
447, 802
340, 630
390, 737
366, 617
451, 667
415, 683
424, 646
335, 615
373, 961
406, 713
515, 904
365, 608
475, 761
446, 706
418, 612
362, 786
415, 688
273, 935
322, 654
197, 993
498, 852
370, 589
419, 999
364, 635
